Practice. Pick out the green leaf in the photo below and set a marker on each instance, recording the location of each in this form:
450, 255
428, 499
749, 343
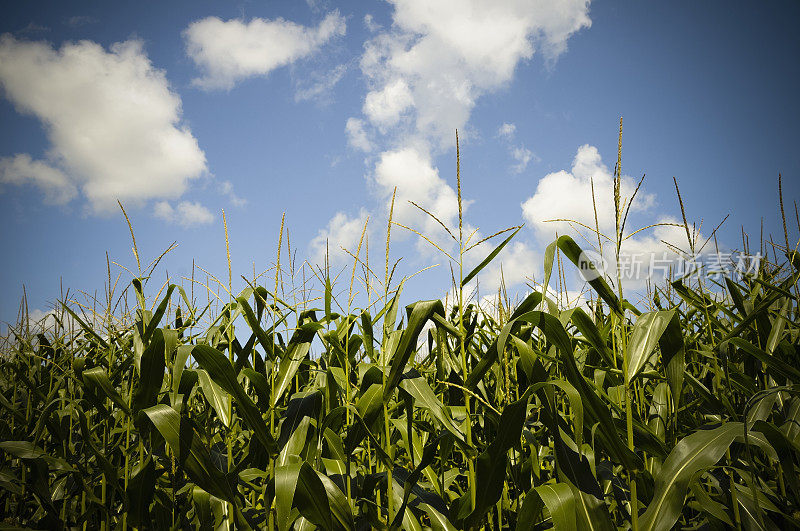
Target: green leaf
428, 455
159, 313
491, 355
178, 365
693, 453
297, 441
97, 376
673, 357
776, 366
196, 458
286, 477
288, 368
140, 491
490, 467
778, 325
337, 501
423, 394
328, 298
784, 449
592, 513
590, 333
418, 315
367, 334
253, 323
588, 270
558, 499
645, 336
594, 407
299, 485
221, 371
215, 396
22, 449
86, 328
488, 259
151, 373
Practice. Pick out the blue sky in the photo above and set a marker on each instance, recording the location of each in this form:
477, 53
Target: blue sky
320, 109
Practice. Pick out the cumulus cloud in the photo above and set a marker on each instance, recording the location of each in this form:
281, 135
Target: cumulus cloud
385, 107
442, 56
412, 172
342, 231
568, 195
111, 118
228, 51
186, 214
20, 170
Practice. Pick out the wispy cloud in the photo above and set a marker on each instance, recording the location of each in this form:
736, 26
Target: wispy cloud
80, 20
518, 152
507, 131
321, 85
229, 51
21, 170
185, 214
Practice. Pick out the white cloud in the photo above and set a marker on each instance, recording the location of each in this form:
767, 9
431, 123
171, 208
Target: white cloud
568, 195
424, 75
80, 20
233, 50
519, 153
342, 231
186, 214
226, 188
370, 24
163, 210
385, 107
645, 256
507, 131
416, 179
112, 120
20, 169
449, 53
321, 84
357, 135
523, 156
518, 262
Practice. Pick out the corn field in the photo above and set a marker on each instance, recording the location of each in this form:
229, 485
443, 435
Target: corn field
280, 408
